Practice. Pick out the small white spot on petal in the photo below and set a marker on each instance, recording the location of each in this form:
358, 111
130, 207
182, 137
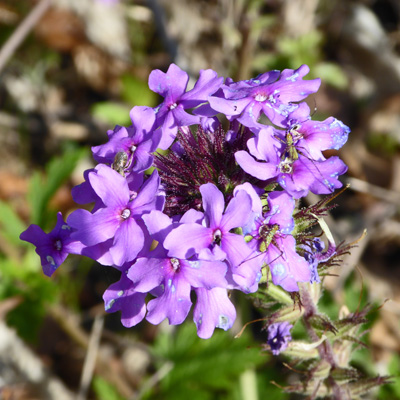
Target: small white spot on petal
194, 264
223, 322
109, 304
278, 269
50, 259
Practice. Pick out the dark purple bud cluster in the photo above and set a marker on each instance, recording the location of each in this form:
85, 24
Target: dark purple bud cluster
216, 209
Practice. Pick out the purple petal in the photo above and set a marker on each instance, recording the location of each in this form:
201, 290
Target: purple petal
228, 107
121, 296
106, 152
236, 248
110, 186
260, 170
182, 118
213, 204
93, 228
248, 273
128, 241
147, 196
35, 235
143, 119
148, 273
256, 205
326, 175
238, 212
207, 274
213, 309
158, 224
174, 304
171, 84
84, 193
207, 84
286, 266
281, 206
100, 252
169, 131
192, 216
187, 240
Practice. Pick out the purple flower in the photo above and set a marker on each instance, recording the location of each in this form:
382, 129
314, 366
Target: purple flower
171, 114
271, 237
136, 141
314, 255
245, 100
212, 240
176, 276
118, 219
296, 173
53, 247
279, 336
312, 137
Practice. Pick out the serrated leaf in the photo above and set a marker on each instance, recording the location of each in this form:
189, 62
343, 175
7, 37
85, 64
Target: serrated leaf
322, 323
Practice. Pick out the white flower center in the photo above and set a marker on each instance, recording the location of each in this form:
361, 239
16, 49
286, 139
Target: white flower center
175, 264
126, 213
260, 97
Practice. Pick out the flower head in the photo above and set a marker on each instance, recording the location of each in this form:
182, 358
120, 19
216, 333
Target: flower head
279, 336
53, 247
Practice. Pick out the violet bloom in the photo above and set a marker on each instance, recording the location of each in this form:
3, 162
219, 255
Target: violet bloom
171, 114
212, 240
271, 237
121, 296
279, 336
314, 254
296, 174
53, 247
137, 141
310, 137
118, 219
272, 93
176, 276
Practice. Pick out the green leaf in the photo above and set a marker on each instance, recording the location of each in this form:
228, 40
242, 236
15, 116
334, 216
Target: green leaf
206, 365
42, 189
332, 74
112, 113
104, 390
137, 93
11, 225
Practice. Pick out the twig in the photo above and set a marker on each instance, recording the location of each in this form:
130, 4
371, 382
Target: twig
91, 356
22, 31
359, 185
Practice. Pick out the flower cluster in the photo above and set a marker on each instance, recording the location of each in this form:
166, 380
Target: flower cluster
218, 205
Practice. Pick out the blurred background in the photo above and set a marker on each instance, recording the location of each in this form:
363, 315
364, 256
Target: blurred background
72, 69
